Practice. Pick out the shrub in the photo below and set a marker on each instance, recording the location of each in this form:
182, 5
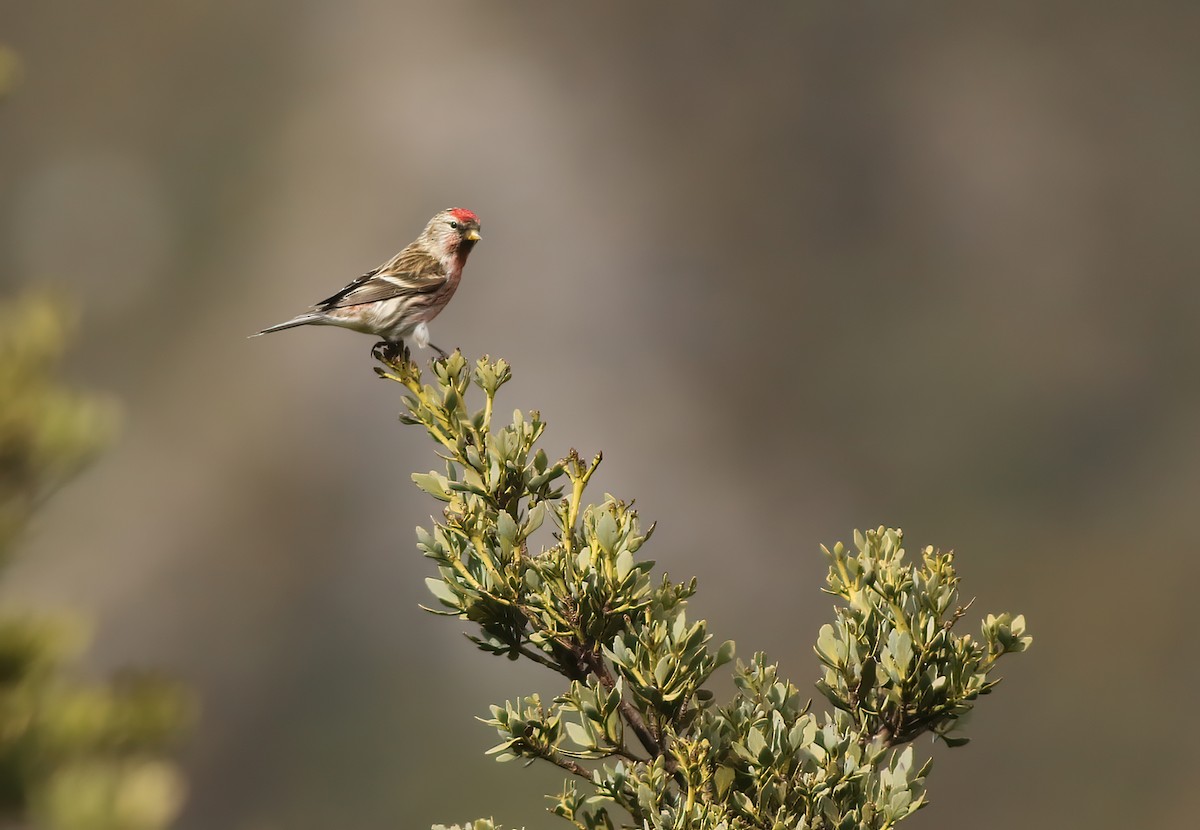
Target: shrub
645, 743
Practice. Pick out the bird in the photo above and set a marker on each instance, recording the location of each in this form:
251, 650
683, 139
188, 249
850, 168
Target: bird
397, 300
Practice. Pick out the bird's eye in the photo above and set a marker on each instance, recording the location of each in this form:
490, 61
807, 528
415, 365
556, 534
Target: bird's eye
453, 224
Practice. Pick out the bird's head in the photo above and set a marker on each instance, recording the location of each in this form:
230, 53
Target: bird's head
453, 232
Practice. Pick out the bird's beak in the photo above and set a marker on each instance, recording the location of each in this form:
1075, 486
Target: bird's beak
472, 236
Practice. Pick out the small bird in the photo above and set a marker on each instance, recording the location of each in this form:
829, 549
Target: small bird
397, 300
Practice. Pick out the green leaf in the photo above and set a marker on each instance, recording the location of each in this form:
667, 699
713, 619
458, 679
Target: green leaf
900, 646
663, 669
606, 532
443, 592
506, 531
579, 735
537, 515
624, 564
433, 484
755, 742
724, 779
829, 647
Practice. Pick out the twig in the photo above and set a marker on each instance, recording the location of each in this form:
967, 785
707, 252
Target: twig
569, 765
538, 657
633, 717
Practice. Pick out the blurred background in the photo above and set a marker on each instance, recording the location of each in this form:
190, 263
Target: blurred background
795, 269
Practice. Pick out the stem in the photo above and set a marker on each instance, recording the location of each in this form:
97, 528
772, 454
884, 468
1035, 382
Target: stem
434, 430
569, 765
487, 415
898, 612
462, 571
484, 556
579, 480
634, 718
572, 516
885, 731
691, 802
843, 573
538, 657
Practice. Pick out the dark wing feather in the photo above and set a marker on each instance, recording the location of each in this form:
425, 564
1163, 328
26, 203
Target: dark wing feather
414, 270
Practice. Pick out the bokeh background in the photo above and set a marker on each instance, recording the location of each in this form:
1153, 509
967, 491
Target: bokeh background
796, 269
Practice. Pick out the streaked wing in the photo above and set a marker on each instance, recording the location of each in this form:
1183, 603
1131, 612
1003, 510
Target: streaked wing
410, 272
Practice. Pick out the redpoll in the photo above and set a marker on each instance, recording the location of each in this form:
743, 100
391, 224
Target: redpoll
397, 300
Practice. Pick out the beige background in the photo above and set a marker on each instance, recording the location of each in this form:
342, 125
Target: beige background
795, 268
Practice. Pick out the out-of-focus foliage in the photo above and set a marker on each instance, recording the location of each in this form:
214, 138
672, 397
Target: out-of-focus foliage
588, 609
73, 755
10, 70
47, 432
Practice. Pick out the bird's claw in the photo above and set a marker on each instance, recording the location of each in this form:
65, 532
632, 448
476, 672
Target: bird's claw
386, 351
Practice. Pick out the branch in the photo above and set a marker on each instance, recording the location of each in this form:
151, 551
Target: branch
538, 657
569, 765
633, 717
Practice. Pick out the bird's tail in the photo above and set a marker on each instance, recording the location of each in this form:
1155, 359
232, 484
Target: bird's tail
302, 320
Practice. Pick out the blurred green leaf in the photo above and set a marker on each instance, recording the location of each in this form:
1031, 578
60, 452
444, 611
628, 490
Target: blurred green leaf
73, 756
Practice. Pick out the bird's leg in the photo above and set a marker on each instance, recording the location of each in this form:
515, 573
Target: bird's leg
388, 351
442, 354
